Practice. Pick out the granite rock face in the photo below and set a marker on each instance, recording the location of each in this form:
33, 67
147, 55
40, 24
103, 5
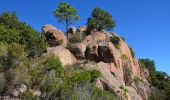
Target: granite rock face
52, 35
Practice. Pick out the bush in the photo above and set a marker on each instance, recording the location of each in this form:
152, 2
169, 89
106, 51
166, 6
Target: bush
124, 57
8, 35
100, 19
2, 86
16, 51
86, 75
13, 30
132, 52
76, 38
70, 46
115, 40
53, 62
137, 79
157, 79
124, 90
28, 96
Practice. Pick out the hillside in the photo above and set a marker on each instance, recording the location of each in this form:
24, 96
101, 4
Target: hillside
92, 65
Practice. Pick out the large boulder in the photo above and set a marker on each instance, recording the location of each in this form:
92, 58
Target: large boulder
94, 37
82, 29
100, 51
79, 51
65, 56
52, 35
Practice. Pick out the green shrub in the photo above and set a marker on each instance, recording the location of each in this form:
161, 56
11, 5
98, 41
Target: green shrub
124, 92
115, 40
137, 79
86, 75
28, 96
13, 30
53, 62
76, 38
36, 77
132, 52
124, 57
16, 51
8, 35
2, 86
70, 46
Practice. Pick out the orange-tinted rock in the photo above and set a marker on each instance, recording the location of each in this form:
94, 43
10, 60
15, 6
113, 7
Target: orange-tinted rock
53, 34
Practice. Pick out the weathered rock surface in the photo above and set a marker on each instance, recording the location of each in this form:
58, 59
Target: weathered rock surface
97, 36
65, 56
72, 30
133, 94
51, 33
82, 29
79, 51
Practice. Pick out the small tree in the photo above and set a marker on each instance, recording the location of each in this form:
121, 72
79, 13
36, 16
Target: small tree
100, 19
66, 14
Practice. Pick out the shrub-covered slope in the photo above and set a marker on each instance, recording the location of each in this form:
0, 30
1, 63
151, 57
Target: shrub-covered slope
93, 65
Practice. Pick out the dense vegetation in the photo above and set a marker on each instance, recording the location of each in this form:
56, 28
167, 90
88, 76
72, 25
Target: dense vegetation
157, 79
21, 62
14, 31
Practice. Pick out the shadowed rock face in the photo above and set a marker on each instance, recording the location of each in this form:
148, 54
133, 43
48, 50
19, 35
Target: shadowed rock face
105, 54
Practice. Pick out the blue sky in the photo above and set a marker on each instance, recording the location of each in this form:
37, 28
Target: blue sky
144, 23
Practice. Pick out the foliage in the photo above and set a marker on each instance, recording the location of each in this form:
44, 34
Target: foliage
115, 40
80, 87
132, 52
100, 19
53, 62
28, 96
136, 79
75, 38
70, 46
157, 79
8, 35
13, 30
2, 86
16, 51
124, 92
66, 14
124, 57
86, 75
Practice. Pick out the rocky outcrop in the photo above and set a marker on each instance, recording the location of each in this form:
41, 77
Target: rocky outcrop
82, 29
65, 56
79, 51
72, 30
117, 65
95, 37
54, 35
